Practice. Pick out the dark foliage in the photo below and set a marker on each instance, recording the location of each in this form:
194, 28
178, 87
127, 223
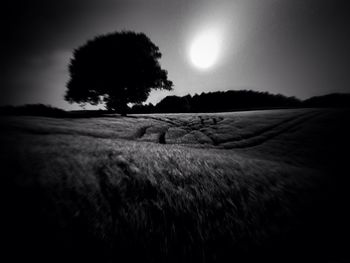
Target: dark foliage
139, 108
331, 100
205, 102
49, 111
117, 69
174, 104
221, 101
33, 110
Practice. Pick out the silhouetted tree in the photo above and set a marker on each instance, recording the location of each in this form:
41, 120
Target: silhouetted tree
117, 69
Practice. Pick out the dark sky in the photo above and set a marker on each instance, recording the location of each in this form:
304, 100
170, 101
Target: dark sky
294, 47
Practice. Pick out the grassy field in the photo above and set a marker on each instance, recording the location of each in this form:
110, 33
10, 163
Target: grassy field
224, 187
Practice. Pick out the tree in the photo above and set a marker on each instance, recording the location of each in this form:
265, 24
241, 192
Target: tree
117, 69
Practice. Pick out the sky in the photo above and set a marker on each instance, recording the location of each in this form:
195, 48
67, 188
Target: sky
292, 47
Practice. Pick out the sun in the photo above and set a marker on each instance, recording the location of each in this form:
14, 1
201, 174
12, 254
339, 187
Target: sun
204, 50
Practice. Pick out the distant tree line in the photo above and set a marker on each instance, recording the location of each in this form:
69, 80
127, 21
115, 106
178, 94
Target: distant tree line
233, 100
48, 111
219, 101
33, 110
337, 100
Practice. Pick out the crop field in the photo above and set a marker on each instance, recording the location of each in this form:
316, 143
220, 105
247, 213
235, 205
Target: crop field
205, 187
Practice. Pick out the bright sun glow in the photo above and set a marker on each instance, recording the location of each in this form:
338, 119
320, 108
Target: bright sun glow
205, 49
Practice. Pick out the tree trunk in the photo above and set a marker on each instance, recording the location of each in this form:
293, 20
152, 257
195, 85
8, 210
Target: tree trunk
123, 109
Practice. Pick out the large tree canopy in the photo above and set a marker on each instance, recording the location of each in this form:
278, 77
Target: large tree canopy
117, 69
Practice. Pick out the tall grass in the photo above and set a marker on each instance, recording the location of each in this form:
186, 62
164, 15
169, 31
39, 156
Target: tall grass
76, 197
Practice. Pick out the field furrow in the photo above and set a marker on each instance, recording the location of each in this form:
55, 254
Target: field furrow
204, 187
